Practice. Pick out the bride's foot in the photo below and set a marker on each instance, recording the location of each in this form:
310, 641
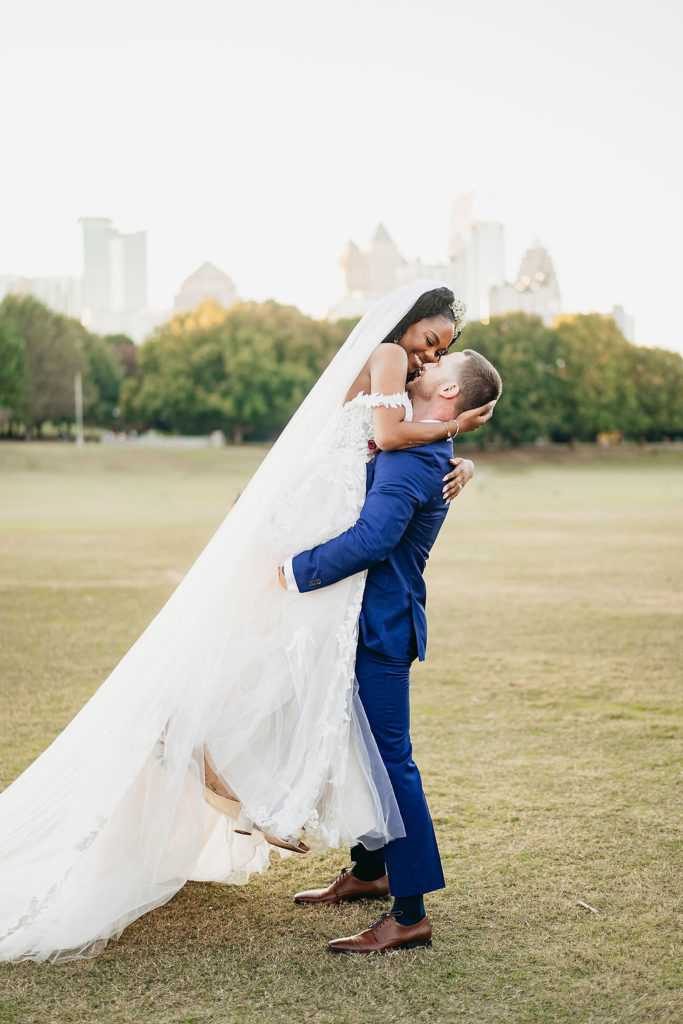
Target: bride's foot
244, 826
274, 841
282, 844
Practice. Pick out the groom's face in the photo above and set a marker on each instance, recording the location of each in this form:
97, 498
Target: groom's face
435, 376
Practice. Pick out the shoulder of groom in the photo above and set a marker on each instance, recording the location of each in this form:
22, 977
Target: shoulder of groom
424, 456
424, 451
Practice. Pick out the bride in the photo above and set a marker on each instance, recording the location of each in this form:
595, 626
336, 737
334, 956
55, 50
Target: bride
232, 722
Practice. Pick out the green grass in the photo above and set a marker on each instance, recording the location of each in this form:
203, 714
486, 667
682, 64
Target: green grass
544, 723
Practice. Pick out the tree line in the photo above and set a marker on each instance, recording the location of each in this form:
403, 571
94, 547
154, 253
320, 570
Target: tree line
40, 353
578, 380
245, 370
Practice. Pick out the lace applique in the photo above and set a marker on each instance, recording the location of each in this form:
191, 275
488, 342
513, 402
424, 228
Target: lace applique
374, 400
336, 460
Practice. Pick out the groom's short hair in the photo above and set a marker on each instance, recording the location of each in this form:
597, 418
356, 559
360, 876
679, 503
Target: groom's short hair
479, 381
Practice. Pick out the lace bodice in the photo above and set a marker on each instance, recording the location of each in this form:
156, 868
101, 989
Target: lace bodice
327, 493
355, 419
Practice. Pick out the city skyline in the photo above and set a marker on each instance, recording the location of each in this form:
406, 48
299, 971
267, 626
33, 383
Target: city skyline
109, 294
201, 126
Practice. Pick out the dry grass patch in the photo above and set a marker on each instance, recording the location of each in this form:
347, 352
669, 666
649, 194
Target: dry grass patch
545, 723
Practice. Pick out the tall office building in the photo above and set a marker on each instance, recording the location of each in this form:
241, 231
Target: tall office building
96, 286
476, 262
625, 322
476, 250
114, 289
130, 272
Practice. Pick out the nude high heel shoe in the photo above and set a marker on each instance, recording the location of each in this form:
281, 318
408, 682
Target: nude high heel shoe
244, 826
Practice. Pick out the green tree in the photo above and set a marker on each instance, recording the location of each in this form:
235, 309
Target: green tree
105, 375
601, 392
13, 373
126, 351
243, 370
578, 380
525, 353
658, 378
54, 347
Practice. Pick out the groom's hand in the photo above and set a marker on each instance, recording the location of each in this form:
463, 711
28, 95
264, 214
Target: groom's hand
474, 418
454, 481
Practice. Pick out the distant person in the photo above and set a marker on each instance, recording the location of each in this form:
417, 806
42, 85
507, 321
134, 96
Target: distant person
233, 722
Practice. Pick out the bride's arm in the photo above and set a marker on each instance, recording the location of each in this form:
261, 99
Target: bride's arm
388, 368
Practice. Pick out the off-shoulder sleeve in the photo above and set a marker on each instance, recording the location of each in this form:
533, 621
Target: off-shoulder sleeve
375, 400
389, 401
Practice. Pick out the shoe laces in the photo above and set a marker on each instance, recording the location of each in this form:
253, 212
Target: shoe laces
383, 917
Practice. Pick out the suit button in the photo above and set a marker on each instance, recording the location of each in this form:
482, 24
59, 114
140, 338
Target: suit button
314, 583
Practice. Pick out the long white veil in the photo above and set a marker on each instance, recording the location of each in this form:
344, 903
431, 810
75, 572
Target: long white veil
114, 817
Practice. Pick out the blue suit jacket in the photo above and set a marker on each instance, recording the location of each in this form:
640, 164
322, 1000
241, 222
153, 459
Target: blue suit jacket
392, 538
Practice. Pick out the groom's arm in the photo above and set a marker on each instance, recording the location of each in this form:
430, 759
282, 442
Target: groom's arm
403, 481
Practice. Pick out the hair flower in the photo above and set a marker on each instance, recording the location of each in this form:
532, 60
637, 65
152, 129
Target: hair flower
459, 313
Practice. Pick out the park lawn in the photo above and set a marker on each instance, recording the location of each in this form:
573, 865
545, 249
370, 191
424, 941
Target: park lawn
544, 722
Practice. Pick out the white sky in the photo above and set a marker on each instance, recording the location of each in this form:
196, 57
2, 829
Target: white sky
262, 135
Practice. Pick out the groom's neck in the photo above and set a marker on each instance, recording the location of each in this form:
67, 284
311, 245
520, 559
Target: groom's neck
433, 409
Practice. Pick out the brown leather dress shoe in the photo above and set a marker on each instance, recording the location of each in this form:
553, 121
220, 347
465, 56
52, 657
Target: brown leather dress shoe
346, 887
386, 934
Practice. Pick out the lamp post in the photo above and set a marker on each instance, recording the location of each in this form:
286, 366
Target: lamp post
78, 401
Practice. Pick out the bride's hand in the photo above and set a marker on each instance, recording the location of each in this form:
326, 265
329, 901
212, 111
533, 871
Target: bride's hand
457, 478
474, 418
281, 577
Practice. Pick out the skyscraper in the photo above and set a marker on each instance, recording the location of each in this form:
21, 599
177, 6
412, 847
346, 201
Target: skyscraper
134, 271
476, 249
96, 288
114, 275
476, 262
625, 322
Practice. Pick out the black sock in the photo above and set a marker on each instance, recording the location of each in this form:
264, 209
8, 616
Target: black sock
368, 865
368, 872
411, 909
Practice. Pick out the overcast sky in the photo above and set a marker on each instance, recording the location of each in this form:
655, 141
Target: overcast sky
262, 135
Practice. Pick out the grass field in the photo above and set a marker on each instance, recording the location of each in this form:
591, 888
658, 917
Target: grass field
544, 722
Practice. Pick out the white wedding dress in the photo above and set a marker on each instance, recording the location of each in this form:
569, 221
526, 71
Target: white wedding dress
236, 705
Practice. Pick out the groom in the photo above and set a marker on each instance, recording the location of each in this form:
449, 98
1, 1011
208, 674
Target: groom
399, 522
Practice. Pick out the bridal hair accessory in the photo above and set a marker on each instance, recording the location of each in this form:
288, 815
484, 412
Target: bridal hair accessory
459, 314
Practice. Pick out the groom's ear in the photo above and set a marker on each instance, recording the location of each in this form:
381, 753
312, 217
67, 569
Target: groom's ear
450, 390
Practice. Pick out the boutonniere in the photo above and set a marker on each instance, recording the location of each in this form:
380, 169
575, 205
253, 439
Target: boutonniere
372, 448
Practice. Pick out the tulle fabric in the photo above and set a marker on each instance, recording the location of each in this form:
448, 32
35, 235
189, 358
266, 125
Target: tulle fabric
233, 680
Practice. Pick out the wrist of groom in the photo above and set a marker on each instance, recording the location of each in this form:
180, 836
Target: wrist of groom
288, 573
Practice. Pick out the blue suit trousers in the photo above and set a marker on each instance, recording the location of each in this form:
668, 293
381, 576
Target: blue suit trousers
413, 862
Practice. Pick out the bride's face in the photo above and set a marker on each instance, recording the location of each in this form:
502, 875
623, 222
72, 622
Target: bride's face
426, 341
